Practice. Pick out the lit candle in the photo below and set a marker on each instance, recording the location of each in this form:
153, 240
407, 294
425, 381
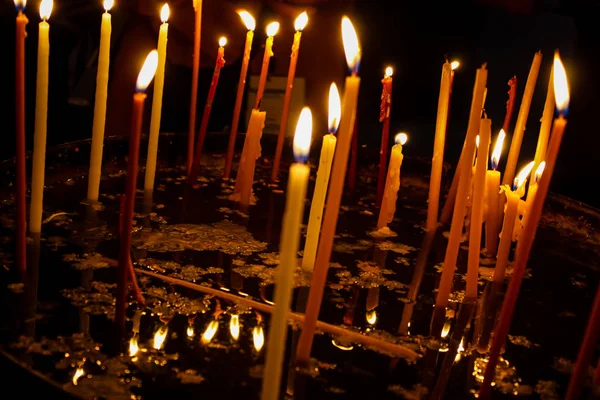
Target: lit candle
384, 116
334, 194
193, 175
322, 181
477, 208
532, 191
251, 25
299, 25
513, 197
41, 118
290, 238
561, 95
517, 138
437, 162
245, 176
392, 183
159, 83
272, 29
194, 88
492, 184
143, 80
510, 104
545, 126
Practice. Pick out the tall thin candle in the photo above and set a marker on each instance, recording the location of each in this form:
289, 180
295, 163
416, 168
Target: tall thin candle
194, 88
392, 183
272, 29
510, 104
492, 183
384, 116
545, 126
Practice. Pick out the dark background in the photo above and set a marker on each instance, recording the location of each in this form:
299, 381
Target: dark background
414, 37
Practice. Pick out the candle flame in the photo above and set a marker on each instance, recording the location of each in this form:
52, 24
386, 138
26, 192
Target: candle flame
351, 45
234, 326
210, 331
222, 41
164, 13
454, 64
258, 336
371, 317
335, 108
303, 135
477, 141
389, 71
108, 4
20, 4
46, 9
539, 171
520, 180
190, 331
401, 138
301, 21
248, 19
78, 374
341, 346
495, 157
147, 72
133, 346
445, 329
461, 348
561, 85
272, 28
159, 337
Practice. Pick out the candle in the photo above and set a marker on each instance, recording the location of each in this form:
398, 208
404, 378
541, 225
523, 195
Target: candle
437, 162
193, 175
194, 89
546, 124
143, 80
510, 104
41, 118
513, 197
477, 208
159, 83
251, 25
245, 177
100, 104
561, 95
299, 25
517, 139
322, 181
290, 238
334, 194
272, 29
492, 184
392, 183
353, 156
384, 116
532, 191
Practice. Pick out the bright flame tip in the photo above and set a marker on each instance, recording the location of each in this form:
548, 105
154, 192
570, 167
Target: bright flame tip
522, 177
454, 65
401, 138
234, 326
301, 21
210, 331
539, 171
561, 85
389, 71
351, 44
495, 157
303, 135
335, 108
165, 12
248, 19
272, 28
258, 337
371, 317
108, 4
147, 72
46, 9
222, 41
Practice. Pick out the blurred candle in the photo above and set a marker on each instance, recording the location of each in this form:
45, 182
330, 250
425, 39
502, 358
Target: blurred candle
392, 183
532, 191
384, 116
41, 119
322, 181
510, 104
290, 238
492, 184
194, 88
546, 125
245, 176
272, 29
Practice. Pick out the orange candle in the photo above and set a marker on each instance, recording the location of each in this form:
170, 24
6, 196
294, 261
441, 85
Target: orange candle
272, 29
384, 116
392, 184
510, 104
492, 184
545, 126
194, 89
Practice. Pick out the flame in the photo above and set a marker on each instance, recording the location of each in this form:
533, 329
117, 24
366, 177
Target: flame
301, 21
454, 64
133, 346
258, 335
147, 72
561, 85
445, 329
159, 337
210, 331
222, 41
351, 44
164, 13
389, 71
539, 171
335, 108
248, 19
495, 157
46, 9
372, 317
20, 4
234, 326
340, 346
401, 138
108, 4
78, 374
460, 350
477, 141
190, 331
303, 135
522, 177
272, 28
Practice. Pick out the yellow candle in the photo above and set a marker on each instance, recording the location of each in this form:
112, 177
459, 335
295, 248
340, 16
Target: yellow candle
437, 162
248, 160
322, 181
392, 183
334, 194
159, 83
531, 193
41, 117
290, 238
546, 125
492, 211
100, 104
517, 138
272, 29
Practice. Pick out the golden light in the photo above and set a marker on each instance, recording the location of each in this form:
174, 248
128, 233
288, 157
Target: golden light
401, 138
371, 317
561, 85
210, 331
133, 346
78, 374
522, 177
164, 13
159, 337
234, 326
46, 9
222, 41
258, 336
477, 141
301, 21
495, 157
20, 4
341, 346
190, 331
303, 135
446, 329
335, 108
389, 71
454, 64
351, 45
539, 171
460, 350
108, 4
147, 72
272, 28
248, 19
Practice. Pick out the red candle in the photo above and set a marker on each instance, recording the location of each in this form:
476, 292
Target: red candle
384, 116
510, 104
194, 90
207, 109
272, 29
144, 79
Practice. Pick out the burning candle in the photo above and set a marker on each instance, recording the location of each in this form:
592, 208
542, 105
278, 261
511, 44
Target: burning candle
194, 88
532, 191
299, 25
193, 175
290, 238
334, 194
384, 116
510, 104
100, 104
492, 183
159, 83
392, 183
272, 29
41, 118
143, 80
251, 25
322, 181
